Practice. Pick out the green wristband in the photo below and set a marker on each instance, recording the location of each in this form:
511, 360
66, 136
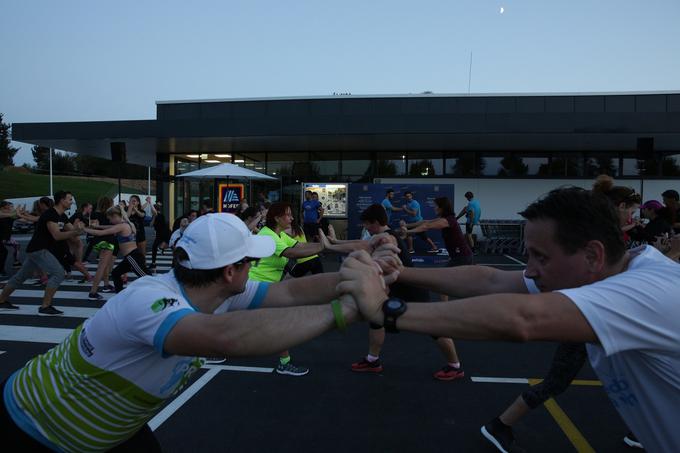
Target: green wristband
337, 314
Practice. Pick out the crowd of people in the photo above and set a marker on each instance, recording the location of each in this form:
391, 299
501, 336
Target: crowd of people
599, 282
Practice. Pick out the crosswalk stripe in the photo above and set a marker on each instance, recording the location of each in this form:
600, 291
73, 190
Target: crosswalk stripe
38, 293
33, 334
69, 312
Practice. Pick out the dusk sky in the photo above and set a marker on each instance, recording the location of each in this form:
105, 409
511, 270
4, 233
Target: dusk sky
86, 61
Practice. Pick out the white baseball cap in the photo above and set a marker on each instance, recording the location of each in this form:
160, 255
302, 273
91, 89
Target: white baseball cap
215, 240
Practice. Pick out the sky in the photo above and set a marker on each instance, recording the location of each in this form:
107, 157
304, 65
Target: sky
98, 61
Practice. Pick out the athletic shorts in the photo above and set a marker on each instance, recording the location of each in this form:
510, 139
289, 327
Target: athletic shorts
103, 245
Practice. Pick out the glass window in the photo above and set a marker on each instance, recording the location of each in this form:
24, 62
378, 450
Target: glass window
534, 163
356, 166
632, 166
390, 164
602, 164
425, 163
670, 165
251, 161
325, 164
460, 163
289, 164
567, 165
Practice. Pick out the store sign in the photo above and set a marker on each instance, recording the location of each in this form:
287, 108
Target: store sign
230, 196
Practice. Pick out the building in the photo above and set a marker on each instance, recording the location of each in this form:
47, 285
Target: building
508, 149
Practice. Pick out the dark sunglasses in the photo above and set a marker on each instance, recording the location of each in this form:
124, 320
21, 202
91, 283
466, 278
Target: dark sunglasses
246, 260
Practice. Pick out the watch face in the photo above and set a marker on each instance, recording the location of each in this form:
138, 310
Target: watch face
393, 304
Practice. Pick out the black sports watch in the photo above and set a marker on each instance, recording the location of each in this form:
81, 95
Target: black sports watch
393, 308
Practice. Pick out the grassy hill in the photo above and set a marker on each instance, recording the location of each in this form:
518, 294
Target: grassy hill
15, 184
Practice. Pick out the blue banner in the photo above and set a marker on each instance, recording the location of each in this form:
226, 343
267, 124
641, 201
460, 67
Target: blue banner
362, 196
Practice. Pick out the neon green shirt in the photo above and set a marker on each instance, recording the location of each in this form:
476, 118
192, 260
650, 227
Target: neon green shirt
270, 269
303, 239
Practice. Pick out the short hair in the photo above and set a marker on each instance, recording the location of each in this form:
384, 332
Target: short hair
469, 195
195, 278
104, 203
374, 213
308, 192
276, 210
4, 203
604, 184
47, 201
85, 205
250, 211
60, 195
672, 194
389, 191
444, 204
580, 216
408, 192
114, 210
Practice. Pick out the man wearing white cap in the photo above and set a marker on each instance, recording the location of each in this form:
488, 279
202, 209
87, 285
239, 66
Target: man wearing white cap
108, 378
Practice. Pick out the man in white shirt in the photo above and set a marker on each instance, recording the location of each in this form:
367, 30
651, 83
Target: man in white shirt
580, 285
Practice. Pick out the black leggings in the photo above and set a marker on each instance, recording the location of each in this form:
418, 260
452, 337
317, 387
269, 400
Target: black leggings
154, 248
143, 441
567, 362
300, 269
133, 262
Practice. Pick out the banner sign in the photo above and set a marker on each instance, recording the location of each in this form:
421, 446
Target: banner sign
229, 196
333, 198
362, 196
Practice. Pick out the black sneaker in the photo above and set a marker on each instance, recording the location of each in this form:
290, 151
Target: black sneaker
501, 436
8, 306
108, 289
291, 370
632, 441
95, 296
49, 311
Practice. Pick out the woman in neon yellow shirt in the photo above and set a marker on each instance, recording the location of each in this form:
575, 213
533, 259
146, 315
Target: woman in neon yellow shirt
270, 269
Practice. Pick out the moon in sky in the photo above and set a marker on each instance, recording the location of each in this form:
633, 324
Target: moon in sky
502, 10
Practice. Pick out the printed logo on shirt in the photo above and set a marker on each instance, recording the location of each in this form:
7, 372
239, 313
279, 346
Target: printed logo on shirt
85, 344
161, 304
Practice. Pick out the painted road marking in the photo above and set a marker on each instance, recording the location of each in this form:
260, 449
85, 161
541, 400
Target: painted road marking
515, 260
531, 381
247, 369
178, 402
69, 312
38, 293
568, 428
33, 334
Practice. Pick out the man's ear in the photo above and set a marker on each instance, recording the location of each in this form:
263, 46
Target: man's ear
596, 257
228, 273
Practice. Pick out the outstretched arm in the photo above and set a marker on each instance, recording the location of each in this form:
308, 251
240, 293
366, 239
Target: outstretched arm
310, 290
434, 224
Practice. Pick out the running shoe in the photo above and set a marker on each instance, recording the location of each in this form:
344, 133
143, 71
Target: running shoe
291, 370
152, 266
501, 436
108, 289
433, 251
49, 311
449, 373
632, 441
95, 296
8, 306
364, 366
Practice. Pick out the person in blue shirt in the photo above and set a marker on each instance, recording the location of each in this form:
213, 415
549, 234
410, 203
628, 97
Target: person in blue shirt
472, 212
387, 204
310, 216
412, 208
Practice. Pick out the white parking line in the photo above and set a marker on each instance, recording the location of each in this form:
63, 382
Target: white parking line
178, 402
32, 334
73, 295
69, 312
515, 260
499, 380
248, 369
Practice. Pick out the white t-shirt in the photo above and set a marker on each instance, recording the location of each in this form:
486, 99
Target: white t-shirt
111, 374
636, 317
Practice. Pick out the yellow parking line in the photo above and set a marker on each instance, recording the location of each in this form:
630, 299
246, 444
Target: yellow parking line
564, 422
582, 382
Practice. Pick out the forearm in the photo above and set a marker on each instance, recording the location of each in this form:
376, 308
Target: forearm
64, 235
464, 281
303, 250
311, 290
414, 224
349, 246
418, 229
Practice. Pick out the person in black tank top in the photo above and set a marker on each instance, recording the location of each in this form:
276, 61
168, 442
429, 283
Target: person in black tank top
374, 219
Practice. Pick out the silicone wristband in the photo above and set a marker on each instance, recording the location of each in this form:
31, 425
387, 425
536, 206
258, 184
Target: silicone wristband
337, 314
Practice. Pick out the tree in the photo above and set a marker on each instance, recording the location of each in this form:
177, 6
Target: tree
422, 167
7, 152
41, 157
512, 165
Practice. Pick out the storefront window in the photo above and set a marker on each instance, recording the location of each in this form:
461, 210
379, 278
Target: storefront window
461, 164
425, 163
670, 165
565, 165
356, 166
326, 164
390, 164
602, 164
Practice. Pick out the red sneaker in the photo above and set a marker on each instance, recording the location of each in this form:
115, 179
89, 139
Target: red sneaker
449, 373
364, 366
